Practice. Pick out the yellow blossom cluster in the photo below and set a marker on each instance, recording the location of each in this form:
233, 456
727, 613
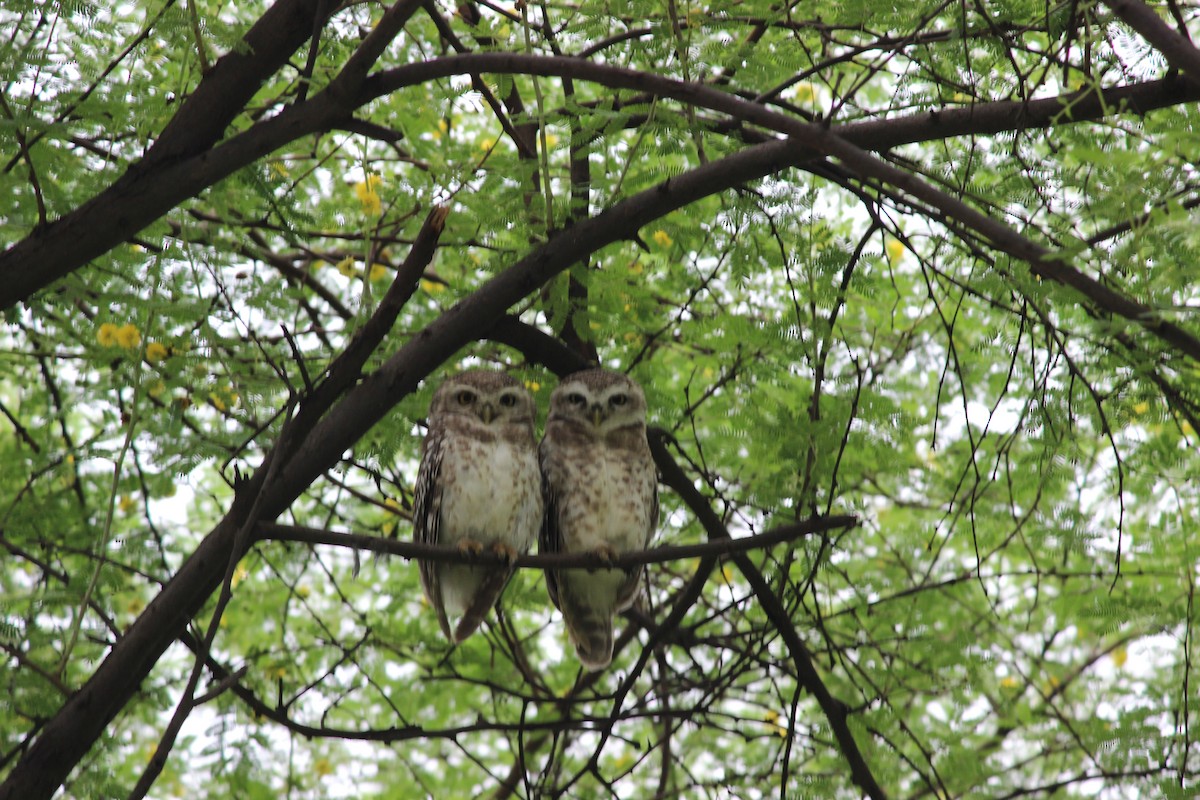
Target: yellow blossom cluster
224, 398
367, 192
349, 267
126, 336
156, 351
804, 93
772, 718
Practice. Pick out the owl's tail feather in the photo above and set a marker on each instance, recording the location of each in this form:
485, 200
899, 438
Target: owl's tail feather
591, 632
484, 598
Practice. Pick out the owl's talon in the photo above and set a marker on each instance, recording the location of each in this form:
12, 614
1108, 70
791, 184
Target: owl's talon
606, 554
504, 551
470, 547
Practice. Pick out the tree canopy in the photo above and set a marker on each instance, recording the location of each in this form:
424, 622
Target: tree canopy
911, 289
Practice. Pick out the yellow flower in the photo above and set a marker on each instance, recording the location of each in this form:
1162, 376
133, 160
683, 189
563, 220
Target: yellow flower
1009, 682
662, 238
346, 267
1119, 656
895, 250
551, 140
128, 336
804, 92
636, 267
389, 525
378, 272
532, 386
156, 389
217, 402
432, 287
107, 335
1141, 408
156, 351
367, 194
322, 767
487, 143
126, 504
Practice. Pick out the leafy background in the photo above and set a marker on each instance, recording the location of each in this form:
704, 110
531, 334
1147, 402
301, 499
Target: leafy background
1012, 616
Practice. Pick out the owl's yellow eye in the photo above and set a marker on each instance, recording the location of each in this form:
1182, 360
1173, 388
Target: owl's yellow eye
465, 398
618, 400
576, 399
508, 400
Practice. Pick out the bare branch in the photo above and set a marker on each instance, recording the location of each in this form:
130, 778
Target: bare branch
445, 554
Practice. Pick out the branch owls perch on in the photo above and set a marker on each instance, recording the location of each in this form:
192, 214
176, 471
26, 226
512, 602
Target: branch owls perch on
269, 531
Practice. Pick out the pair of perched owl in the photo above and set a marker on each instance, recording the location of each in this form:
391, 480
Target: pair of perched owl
484, 482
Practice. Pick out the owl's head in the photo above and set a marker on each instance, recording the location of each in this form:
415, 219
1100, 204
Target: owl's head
602, 400
493, 398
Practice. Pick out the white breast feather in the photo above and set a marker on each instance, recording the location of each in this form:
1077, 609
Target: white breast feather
494, 497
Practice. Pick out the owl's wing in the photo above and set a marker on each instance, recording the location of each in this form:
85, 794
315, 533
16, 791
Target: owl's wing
627, 592
550, 536
427, 523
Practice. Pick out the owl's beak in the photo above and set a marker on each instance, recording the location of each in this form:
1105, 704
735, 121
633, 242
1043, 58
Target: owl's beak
597, 415
487, 413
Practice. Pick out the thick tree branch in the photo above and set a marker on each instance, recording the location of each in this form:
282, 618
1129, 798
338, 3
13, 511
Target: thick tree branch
1179, 52
65, 739
151, 190
68, 736
823, 141
160, 181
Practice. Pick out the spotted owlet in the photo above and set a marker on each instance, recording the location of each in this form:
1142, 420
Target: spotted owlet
478, 487
601, 497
